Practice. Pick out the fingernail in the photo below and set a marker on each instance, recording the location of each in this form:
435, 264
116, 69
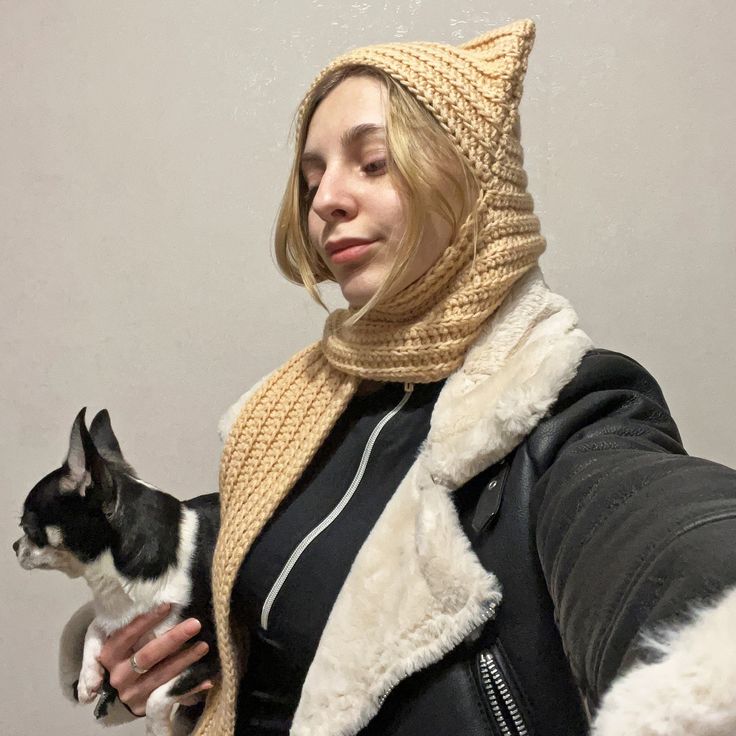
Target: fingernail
192, 626
206, 685
163, 607
202, 647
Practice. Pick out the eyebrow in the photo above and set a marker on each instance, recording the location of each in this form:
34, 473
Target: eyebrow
347, 139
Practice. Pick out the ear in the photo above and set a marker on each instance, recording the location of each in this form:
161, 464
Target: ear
104, 438
78, 477
87, 472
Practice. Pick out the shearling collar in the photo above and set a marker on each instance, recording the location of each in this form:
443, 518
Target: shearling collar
416, 589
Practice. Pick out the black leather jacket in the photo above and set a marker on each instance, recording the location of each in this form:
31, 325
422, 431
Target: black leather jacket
598, 525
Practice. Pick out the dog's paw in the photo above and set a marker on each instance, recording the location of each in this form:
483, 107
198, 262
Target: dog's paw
90, 683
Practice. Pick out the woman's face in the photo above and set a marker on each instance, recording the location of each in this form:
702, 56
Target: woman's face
356, 217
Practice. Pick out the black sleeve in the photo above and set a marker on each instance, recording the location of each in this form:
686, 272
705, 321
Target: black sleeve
630, 530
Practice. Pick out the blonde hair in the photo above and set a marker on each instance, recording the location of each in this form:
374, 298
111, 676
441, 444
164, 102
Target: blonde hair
428, 170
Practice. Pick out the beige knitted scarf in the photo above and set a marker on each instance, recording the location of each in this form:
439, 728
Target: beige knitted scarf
419, 335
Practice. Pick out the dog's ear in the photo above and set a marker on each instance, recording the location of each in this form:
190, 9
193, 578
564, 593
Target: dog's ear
104, 438
78, 476
87, 473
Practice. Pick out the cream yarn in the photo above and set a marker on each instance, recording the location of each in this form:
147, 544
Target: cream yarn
419, 335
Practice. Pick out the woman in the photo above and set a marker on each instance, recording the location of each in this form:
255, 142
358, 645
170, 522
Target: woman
452, 514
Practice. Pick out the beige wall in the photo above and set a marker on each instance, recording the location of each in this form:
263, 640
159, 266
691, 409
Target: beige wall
142, 151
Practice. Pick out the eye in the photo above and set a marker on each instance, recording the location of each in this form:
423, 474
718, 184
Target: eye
375, 167
34, 535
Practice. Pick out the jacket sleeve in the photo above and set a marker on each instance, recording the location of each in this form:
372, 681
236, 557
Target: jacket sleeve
637, 538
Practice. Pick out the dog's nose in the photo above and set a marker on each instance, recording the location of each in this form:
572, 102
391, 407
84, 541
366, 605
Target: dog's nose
16, 544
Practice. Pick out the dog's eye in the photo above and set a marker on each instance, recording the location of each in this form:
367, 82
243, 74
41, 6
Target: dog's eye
35, 535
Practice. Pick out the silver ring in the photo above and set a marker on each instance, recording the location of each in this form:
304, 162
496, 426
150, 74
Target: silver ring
135, 666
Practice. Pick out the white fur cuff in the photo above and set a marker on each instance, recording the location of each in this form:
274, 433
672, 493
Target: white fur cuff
691, 691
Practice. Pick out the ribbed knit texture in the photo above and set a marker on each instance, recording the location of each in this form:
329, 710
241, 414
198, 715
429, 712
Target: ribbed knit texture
419, 335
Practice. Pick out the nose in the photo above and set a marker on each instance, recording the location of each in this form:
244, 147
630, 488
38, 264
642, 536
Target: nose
334, 199
16, 545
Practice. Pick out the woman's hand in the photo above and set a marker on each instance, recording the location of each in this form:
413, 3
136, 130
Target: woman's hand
163, 657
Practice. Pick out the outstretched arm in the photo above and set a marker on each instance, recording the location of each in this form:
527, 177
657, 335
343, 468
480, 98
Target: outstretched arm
632, 535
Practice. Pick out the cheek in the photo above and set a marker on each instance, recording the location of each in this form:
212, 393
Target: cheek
438, 237
391, 210
434, 241
314, 227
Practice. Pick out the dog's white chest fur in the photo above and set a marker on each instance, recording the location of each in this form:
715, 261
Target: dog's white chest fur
118, 599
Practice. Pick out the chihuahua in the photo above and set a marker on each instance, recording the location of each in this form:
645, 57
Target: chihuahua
137, 547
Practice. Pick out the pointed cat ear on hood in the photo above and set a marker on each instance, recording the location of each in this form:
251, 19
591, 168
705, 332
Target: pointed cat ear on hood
86, 469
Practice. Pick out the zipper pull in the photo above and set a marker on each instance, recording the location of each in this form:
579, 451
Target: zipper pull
408, 387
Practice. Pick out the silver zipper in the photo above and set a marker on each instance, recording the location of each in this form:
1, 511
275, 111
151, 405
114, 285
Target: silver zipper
309, 538
497, 690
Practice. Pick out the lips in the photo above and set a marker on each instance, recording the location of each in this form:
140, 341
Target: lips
334, 246
347, 249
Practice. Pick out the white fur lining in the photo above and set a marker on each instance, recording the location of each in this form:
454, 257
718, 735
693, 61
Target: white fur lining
512, 375
413, 593
691, 691
416, 588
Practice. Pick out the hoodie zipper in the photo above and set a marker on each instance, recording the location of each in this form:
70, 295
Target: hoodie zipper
312, 535
504, 708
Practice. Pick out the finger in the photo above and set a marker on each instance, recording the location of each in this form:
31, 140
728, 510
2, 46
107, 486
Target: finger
136, 694
175, 665
120, 643
168, 643
122, 675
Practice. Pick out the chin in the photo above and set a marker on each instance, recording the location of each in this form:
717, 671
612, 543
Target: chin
356, 303
358, 293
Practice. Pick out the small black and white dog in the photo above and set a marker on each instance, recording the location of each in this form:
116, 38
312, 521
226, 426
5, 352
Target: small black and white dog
136, 546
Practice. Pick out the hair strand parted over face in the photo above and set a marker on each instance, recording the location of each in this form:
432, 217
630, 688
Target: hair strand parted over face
428, 171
